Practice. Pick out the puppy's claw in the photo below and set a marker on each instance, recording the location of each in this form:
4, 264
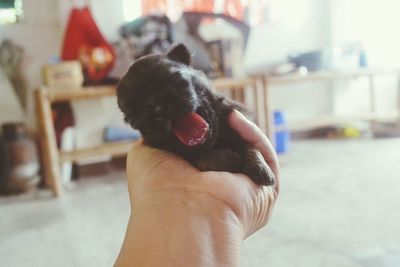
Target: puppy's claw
260, 174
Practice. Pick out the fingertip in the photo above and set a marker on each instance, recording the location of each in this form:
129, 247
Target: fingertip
233, 117
238, 114
254, 136
241, 124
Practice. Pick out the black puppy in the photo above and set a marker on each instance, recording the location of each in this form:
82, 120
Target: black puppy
176, 109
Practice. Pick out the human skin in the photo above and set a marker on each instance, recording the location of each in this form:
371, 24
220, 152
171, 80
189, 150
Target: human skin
183, 217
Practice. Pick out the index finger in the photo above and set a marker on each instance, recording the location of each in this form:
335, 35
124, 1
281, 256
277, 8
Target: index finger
254, 136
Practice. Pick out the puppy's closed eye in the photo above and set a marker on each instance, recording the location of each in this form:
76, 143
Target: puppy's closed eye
161, 113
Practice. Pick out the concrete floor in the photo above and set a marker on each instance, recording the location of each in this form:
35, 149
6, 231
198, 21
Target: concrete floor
339, 206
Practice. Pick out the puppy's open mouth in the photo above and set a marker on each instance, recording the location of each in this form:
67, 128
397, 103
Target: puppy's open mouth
191, 130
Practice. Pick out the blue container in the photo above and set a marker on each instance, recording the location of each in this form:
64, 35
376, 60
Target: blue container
282, 138
112, 134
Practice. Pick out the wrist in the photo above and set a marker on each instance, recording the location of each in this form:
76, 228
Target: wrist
186, 229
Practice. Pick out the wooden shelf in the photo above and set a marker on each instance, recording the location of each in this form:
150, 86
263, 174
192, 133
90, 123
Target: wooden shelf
331, 119
330, 75
91, 92
82, 93
112, 149
261, 83
117, 148
224, 83
233, 83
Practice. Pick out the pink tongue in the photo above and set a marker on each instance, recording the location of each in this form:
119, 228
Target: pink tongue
191, 130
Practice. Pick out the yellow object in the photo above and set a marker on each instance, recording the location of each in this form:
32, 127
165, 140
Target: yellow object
351, 132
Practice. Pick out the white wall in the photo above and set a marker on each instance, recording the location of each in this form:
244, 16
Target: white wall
273, 40
10, 109
374, 24
270, 43
327, 22
107, 14
42, 33
39, 34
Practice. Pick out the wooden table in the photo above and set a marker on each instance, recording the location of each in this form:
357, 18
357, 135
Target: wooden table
53, 157
330, 119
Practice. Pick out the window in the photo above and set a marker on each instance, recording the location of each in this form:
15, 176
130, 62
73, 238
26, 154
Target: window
245, 10
132, 9
10, 11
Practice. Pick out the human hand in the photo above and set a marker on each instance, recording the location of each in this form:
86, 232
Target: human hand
167, 189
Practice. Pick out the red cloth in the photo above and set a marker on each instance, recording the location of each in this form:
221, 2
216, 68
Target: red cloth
82, 38
232, 8
82, 41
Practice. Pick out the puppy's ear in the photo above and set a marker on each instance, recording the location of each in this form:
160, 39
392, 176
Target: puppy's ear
179, 53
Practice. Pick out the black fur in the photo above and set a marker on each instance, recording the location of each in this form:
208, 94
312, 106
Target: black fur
160, 88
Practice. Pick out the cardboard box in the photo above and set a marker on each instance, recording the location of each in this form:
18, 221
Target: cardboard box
63, 76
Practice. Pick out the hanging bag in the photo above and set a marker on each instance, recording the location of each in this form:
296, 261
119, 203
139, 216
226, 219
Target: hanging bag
83, 41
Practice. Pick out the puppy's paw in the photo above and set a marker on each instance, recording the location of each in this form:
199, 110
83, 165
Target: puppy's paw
219, 160
260, 173
257, 169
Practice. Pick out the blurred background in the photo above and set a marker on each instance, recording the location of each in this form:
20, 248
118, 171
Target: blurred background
320, 76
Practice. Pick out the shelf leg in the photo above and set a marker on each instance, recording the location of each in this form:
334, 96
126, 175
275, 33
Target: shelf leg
51, 162
259, 105
398, 99
269, 116
372, 101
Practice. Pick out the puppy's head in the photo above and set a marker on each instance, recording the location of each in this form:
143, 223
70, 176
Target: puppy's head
169, 102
